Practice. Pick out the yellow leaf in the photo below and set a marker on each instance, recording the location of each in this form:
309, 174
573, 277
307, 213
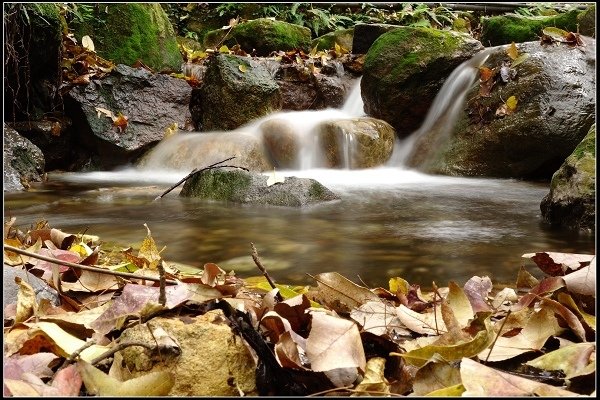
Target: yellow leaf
512, 51
223, 49
511, 103
98, 383
26, 301
81, 248
398, 285
87, 42
243, 68
556, 33
149, 251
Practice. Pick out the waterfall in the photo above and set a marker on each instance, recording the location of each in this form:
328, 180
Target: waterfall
354, 104
444, 110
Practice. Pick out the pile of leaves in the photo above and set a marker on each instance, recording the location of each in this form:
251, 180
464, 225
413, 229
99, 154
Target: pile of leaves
335, 337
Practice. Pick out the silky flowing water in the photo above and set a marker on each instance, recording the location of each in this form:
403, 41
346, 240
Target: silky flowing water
390, 221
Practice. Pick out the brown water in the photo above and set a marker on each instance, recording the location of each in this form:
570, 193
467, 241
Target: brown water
389, 222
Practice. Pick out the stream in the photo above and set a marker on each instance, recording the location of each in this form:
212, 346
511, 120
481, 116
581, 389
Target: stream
390, 221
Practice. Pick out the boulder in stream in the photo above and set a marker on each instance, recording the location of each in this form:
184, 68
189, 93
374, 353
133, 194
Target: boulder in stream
555, 93
240, 186
404, 70
571, 202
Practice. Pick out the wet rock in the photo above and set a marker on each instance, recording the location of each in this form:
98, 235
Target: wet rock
11, 288
404, 70
281, 141
239, 186
128, 32
23, 161
356, 143
505, 29
366, 34
571, 202
151, 103
586, 21
341, 37
555, 88
262, 36
213, 361
236, 90
186, 151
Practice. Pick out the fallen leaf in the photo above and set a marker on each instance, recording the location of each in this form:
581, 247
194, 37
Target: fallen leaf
574, 360
435, 376
582, 281
512, 51
98, 383
557, 34
477, 289
87, 43
26, 301
482, 381
460, 305
427, 323
374, 379
334, 343
567, 300
558, 264
379, 318
121, 122
243, 68
340, 293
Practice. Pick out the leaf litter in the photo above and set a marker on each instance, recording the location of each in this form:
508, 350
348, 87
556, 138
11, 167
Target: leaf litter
333, 337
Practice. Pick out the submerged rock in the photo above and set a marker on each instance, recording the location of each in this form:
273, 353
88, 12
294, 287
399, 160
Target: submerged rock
23, 161
239, 186
571, 202
404, 70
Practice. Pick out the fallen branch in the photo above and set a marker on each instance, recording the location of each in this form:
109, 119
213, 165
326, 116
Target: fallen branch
264, 270
84, 267
120, 347
197, 171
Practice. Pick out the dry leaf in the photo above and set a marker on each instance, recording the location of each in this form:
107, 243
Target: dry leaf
435, 376
87, 43
26, 301
512, 51
558, 264
583, 281
574, 360
374, 379
341, 294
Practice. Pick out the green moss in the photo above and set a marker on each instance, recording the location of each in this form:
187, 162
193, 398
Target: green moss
126, 33
400, 46
218, 185
505, 29
342, 37
316, 190
587, 146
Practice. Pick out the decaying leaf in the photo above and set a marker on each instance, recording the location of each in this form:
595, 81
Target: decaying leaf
121, 122
482, 381
374, 379
558, 264
26, 301
512, 51
149, 251
477, 290
340, 293
435, 376
574, 360
243, 68
583, 281
98, 383
379, 318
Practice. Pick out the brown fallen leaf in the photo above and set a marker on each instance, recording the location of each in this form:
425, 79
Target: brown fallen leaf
583, 281
374, 379
559, 264
482, 381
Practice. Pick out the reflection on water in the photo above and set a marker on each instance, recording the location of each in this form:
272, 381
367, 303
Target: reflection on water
389, 222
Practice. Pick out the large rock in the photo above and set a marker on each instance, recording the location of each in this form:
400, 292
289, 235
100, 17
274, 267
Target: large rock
504, 29
571, 202
23, 161
32, 45
356, 143
128, 32
366, 34
151, 102
262, 36
186, 151
404, 70
236, 90
239, 186
213, 360
341, 37
556, 92
586, 21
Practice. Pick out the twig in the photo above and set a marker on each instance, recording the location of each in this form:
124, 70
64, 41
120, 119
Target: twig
197, 171
162, 296
263, 270
84, 267
498, 335
76, 354
120, 347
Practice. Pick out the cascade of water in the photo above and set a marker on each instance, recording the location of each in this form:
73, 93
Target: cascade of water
444, 110
354, 105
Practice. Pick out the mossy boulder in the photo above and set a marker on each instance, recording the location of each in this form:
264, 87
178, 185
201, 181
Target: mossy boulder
128, 32
587, 21
236, 90
32, 44
23, 161
404, 70
262, 36
555, 89
366, 34
504, 29
572, 198
240, 186
356, 143
341, 37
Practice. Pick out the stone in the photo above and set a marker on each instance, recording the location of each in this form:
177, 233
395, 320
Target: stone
151, 103
240, 186
235, 91
11, 288
213, 360
341, 37
23, 161
571, 202
366, 34
404, 70
281, 141
128, 32
555, 88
